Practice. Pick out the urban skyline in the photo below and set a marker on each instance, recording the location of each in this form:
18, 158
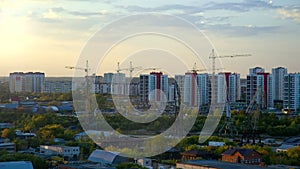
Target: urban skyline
270, 90
148, 71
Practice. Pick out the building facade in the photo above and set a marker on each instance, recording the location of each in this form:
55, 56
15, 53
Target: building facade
26, 82
64, 151
258, 86
57, 87
245, 156
278, 82
190, 90
291, 92
203, 85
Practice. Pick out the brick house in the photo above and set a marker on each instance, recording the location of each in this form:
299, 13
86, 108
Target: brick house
245, 156
196, 154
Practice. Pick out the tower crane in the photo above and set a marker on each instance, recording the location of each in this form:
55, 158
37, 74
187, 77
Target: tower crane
195, 69
250, 130
130, 69
86, 70
213, 57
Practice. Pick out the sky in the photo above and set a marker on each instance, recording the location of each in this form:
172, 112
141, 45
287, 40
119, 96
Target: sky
47, 35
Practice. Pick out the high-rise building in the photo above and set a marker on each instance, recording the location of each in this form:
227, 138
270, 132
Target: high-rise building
254, 82
221, 87
26, 82
270, 92
153, 87
172, 93
57, 87
257, 83
291, 92
144, 89
190, 90
231, 83
243, 85
256, 70
118, 84
203, 85
158, 87
277, 82
108, 77
179, 80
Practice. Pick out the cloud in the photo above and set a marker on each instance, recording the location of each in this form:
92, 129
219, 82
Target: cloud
243, 6
51, 15
85, 14
241, 31
290, 13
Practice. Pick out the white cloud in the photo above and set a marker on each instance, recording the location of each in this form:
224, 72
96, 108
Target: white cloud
290, 14
50, 14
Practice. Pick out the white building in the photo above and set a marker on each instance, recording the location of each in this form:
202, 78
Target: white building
153, 87
108, 77
180, 85
221, 88
256, 70
234, 87
118, 84
26, 82
291, 92
190, 90
57, 87
203, 83
254, 82
270, 93
64, 151
158, 87
171, 93
107, 158
277, 82
8, 147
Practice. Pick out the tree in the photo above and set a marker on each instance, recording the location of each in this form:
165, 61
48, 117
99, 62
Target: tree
51, 131
8, 133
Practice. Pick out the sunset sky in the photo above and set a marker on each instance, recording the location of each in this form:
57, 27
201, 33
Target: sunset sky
47, 35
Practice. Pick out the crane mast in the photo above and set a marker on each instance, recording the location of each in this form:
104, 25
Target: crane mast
88, 95
227, 125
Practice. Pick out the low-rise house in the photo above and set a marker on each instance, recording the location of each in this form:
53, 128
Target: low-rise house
284, 148
9, 147
246, 156
212, 164
23, 135
107, 157
5, 125
196, 154
295, 141
66, 152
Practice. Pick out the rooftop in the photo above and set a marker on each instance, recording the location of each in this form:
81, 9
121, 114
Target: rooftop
221, 165
16, 164
243, 152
